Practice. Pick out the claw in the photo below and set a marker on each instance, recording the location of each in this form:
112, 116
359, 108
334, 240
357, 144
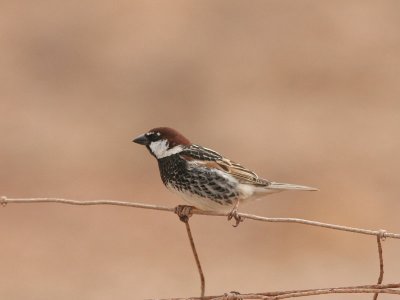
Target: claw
232, 296
234, 214
184, 212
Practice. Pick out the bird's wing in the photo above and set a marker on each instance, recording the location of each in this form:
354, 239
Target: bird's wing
195, 152
213, 160
242, 174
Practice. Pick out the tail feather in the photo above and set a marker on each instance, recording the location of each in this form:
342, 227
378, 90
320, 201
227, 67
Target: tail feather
289, 186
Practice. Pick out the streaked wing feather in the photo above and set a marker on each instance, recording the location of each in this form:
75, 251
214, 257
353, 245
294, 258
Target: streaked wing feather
200, 153
241, 173
211, 159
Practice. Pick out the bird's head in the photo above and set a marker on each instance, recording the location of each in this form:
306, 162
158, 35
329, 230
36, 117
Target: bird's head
162, 141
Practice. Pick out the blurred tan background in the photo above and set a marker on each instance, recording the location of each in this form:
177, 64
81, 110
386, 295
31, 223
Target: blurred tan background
303, 92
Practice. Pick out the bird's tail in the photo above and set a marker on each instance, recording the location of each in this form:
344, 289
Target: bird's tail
288, 186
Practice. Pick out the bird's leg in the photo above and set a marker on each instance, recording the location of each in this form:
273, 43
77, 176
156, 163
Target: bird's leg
184, 212
234, 214
232, 296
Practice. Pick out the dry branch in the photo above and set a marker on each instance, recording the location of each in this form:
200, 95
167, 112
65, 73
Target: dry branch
362, 289
380, 252
381, 233
196, 257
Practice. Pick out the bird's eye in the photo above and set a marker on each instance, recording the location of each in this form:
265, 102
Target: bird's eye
153, 136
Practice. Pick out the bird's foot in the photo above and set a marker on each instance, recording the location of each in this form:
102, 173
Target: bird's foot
232, 296
184, 212
235, 215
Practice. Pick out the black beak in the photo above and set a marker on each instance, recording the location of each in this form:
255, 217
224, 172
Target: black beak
142, 140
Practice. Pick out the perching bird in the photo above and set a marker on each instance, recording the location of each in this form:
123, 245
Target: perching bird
204, 178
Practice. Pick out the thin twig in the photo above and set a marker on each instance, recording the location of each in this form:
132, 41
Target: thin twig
196, 257
380, 234
377, 288
4, 200
184, 212
333, 291
380, 279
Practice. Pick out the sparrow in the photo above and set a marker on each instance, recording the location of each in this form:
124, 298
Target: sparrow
204, 178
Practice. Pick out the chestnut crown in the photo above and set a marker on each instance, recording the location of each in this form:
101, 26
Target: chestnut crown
162, 141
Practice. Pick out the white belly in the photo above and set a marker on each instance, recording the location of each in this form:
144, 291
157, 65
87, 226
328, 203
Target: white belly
202, 202
246, 193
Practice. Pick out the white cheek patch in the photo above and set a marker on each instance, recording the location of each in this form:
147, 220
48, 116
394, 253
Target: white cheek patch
160, 149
